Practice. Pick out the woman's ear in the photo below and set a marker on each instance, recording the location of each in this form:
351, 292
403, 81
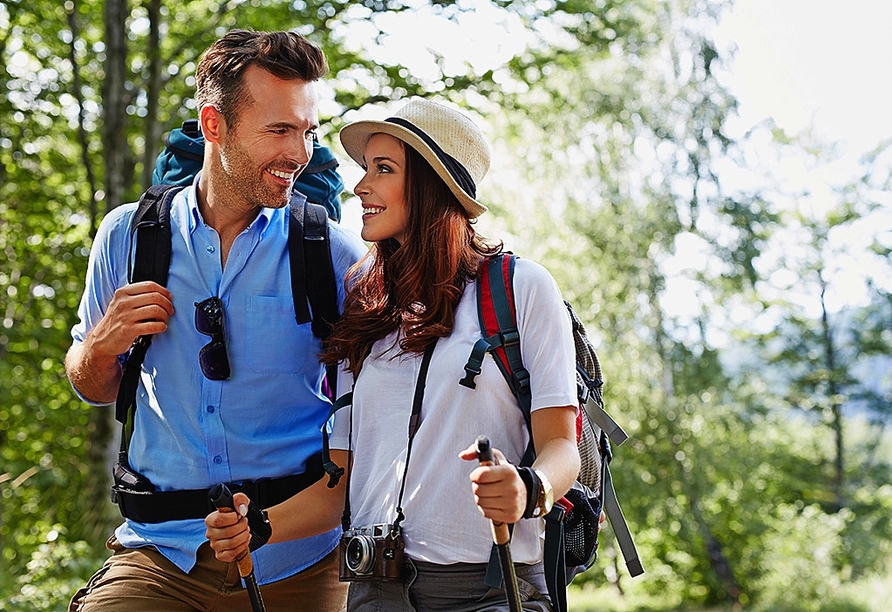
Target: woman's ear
213, 125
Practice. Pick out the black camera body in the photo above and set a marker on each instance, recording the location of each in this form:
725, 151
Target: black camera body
374, 552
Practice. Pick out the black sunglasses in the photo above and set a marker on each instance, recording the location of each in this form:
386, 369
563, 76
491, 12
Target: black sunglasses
212, 357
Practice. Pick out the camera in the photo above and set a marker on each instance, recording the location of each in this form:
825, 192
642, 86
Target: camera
374, 552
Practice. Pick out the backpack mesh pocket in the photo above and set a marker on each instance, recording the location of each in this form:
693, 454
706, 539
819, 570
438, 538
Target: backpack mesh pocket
581, 527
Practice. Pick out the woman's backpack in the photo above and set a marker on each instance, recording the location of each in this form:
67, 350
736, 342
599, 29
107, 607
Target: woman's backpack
571, 528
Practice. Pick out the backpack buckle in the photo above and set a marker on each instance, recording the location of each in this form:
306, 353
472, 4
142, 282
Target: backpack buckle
509, 338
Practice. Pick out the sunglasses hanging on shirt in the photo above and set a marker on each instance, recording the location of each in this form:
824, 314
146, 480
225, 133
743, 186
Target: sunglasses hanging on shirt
212, 357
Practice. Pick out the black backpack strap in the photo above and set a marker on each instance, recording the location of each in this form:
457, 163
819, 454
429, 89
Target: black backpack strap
555, 558
313, 284
322, 289
151, 230
296, 258
314, 290
333, 470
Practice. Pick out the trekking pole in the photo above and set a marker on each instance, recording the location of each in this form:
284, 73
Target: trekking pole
221, 497
501, 536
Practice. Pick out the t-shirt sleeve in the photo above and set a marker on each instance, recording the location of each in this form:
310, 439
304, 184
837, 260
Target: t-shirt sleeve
546, 340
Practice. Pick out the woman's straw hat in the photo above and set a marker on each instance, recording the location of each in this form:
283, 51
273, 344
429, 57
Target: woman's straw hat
450, 142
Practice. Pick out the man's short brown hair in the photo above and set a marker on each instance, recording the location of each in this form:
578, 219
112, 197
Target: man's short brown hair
220, 75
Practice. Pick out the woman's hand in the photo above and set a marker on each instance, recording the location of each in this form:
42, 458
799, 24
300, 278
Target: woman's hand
498, 490
228, 531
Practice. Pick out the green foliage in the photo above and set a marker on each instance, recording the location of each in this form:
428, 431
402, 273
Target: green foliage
55, 570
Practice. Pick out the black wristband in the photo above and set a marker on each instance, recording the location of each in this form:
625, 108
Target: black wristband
261, 530
531, 480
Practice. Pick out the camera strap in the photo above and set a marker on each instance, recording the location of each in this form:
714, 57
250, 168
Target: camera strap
414, 424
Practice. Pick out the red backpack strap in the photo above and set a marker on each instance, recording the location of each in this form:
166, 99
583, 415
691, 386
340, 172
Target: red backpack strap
498, 271
496, 311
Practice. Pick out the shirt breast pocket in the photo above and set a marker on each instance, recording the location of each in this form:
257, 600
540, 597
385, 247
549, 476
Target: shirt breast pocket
274, 342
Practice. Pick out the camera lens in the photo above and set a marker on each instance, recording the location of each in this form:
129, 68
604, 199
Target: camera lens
360, 554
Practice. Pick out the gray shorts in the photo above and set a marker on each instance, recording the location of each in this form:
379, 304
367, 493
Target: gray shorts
428, 587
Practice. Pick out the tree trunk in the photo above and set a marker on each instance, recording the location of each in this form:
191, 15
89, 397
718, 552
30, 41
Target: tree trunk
152, 127
833, 397
114, 105
100, 512
82, 137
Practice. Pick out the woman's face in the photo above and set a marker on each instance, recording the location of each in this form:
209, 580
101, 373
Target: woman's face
385, 213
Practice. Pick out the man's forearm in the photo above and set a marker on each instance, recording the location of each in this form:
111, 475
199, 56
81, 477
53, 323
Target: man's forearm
96, 377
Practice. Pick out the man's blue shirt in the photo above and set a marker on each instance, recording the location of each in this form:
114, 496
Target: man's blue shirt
266, 420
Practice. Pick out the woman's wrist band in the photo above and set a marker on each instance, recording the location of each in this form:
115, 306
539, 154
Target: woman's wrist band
533, 484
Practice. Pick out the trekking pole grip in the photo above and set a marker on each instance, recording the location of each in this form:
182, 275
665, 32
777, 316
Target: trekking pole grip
500, 531
221, 497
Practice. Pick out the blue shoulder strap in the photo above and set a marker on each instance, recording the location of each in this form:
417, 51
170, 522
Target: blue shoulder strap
497, 312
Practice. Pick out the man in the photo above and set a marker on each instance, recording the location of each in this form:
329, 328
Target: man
230, 388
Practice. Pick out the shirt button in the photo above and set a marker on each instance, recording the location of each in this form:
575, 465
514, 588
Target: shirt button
210, 248
218, 459
211, 409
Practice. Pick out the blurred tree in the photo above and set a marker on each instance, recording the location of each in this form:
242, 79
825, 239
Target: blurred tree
830, 345
624, 143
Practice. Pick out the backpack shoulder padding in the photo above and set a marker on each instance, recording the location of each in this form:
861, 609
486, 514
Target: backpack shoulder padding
496, 308
313, 283
151, 229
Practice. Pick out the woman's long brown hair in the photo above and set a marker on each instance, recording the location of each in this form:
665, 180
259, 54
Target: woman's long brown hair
415, 285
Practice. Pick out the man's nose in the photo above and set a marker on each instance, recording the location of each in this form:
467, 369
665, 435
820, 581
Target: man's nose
301, 150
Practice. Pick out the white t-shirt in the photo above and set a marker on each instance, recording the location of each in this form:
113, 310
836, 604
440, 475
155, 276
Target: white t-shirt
443, 524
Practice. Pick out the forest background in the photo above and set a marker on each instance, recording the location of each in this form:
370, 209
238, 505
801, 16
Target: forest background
743, 318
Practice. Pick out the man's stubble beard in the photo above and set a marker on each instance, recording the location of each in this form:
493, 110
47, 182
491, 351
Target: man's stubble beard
244, 179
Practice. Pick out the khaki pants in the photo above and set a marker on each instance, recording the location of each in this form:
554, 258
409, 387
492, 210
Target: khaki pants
143, 580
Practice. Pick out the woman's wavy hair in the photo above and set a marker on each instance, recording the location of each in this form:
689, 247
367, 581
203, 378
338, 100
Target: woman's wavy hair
415, 285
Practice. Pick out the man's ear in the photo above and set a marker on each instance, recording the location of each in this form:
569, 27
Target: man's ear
213, 125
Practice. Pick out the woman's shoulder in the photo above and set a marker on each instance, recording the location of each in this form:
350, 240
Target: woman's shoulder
529, 273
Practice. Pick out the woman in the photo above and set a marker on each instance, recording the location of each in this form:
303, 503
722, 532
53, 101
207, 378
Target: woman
414, 295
